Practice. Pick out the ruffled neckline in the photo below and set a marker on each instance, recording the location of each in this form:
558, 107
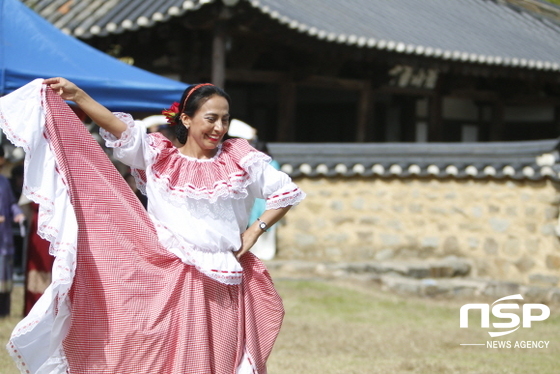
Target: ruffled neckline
234, 167
194, 159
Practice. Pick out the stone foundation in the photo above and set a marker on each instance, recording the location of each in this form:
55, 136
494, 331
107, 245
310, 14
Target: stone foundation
505, 228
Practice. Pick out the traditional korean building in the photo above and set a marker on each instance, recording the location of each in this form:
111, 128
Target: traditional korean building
351, 71
419, 129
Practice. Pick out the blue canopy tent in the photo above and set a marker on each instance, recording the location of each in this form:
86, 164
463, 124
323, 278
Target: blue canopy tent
33, 48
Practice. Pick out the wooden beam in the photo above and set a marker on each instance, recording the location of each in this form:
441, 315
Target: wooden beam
477, 95
533, 101
407, 91
255, 76
334, 83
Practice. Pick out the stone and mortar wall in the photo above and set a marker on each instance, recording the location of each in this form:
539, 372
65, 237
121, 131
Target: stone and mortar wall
507, 229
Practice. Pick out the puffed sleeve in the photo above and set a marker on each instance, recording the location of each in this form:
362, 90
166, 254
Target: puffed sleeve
278, 189
130, 147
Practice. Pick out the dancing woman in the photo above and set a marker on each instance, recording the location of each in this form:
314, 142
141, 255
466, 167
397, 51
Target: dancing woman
171, 290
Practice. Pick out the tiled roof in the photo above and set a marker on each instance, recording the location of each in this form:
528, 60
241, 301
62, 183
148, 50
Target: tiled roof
492, 32
87, 18
533, 160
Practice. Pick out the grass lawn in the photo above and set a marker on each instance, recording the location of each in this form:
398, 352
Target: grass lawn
344, 328
335, 328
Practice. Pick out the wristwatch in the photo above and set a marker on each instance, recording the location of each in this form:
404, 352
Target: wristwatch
262, 225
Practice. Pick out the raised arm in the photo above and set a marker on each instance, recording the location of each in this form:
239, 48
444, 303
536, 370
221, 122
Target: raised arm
97, 112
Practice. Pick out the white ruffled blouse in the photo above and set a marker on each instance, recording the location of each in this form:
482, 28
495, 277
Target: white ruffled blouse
200, 207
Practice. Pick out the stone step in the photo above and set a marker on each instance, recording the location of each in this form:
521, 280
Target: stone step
444, 268
468, 288
447, 278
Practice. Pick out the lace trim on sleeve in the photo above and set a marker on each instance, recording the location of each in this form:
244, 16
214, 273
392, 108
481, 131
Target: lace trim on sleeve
110, 140
288, 195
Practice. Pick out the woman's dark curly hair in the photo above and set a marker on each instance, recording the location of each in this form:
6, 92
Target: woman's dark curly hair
195, 101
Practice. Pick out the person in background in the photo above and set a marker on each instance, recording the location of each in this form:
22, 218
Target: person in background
265, 248
158, 123
38, 261
9, 212
16, 180
19, 230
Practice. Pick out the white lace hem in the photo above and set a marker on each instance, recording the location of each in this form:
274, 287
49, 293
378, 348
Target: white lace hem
49, 319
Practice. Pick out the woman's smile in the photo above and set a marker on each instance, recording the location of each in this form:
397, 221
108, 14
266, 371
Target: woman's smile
215, 138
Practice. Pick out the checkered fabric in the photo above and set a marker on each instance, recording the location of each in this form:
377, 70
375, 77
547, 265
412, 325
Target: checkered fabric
136, 308
203, 180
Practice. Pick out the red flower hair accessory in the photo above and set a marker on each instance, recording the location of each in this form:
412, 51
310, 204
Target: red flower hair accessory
171, 113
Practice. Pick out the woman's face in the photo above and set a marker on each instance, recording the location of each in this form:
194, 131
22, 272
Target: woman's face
208, 126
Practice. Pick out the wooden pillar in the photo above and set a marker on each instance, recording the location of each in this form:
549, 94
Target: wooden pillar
286, 112
219, 55
497, 125
364, 113
557, 119
408, 118
435, 118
